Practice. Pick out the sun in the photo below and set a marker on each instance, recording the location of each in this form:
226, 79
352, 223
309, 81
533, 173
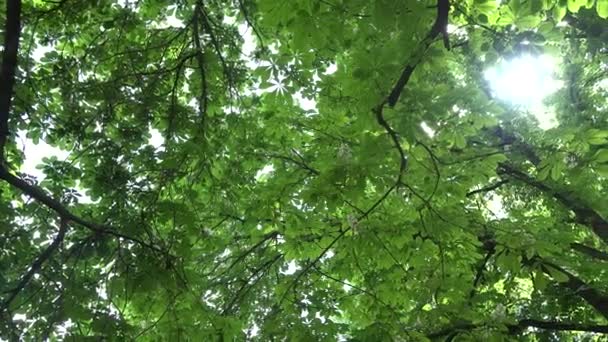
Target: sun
525, 80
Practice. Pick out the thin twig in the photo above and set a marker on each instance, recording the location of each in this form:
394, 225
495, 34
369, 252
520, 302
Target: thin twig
435, 167
250, 23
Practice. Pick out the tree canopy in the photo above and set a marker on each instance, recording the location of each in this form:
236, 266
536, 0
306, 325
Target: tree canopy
301, 170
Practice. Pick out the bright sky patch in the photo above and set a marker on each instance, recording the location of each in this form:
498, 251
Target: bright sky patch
525, 81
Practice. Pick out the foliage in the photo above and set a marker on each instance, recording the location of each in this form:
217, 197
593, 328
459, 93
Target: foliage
263, 217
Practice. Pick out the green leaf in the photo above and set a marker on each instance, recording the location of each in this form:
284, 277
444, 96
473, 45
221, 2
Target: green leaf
536, 6
575, 5
559, 12
540, 281
486, 7
511, 262
556, 169
543, 169
601, 156
602, 8
602, 170
515, 6
597, 137
528, 22
557, 275
170, 114
460, 141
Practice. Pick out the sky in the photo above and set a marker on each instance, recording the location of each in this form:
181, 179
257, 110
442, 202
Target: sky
523, 81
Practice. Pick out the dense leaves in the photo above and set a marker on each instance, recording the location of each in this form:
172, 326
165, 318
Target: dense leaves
301, 170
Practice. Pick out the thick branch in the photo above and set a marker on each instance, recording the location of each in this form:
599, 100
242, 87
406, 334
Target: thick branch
440, 26
525, 323
12, 30
584, 215
37, 264
201, 62
39, 195
592, 252
593, 297
508, 138
560, 326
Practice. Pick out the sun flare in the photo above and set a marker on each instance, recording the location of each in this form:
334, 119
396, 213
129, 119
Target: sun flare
525, 81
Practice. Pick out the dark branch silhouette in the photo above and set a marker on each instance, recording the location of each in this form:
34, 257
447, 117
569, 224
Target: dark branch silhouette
37, 264
12, 31
523, 324
41, 196
487, 188
439, 27
584, 214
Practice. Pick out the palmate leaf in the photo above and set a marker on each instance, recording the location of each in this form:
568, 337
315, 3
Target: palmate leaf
300, 170
602, 8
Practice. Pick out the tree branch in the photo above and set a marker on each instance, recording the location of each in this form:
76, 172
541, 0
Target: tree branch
35, 267
526, 323
39, 195
595, 298
584, 215
488, 188
440, 26
12, 30
479, 271
434, 160
561, 326
307, 268
598, 300
243, 289
597, 254
201, 62
249, 22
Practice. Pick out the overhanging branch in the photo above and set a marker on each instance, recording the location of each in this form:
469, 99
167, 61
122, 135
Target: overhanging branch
196, 33
440, 26
590, 251
37, 264
523, 324
584, 214
39, 195
488, 188
561, 326
12, 30
595, 298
